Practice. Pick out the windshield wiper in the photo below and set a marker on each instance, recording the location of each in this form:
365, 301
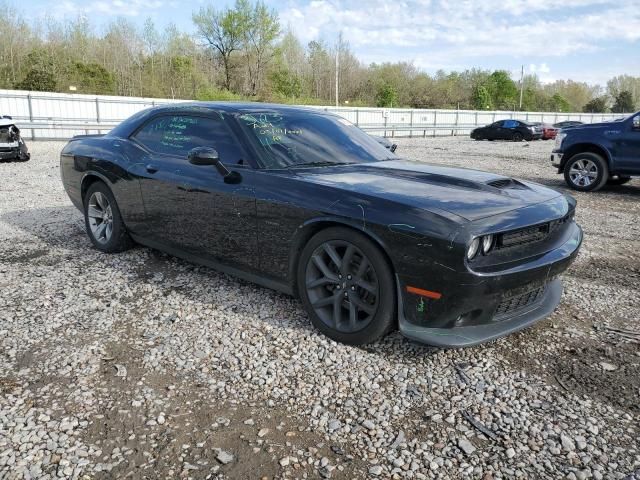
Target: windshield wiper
318, 164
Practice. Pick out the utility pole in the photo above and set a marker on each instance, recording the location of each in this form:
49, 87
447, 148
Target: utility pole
338, 64
521, 85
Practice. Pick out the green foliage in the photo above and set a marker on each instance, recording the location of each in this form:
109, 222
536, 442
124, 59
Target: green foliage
596, 105
39, 80
92, 78
211, 93
481, 99
286, 83
386, 96
559, 104
623, 103
503, 90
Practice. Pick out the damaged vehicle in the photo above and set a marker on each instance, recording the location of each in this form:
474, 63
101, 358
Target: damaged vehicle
304, 202
12, 146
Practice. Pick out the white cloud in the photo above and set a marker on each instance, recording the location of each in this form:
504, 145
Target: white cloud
446, 32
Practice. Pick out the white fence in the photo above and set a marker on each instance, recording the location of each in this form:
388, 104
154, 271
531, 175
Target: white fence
43, 115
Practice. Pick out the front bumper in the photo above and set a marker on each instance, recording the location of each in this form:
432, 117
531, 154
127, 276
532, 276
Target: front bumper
475, 312
556, 159
7, 154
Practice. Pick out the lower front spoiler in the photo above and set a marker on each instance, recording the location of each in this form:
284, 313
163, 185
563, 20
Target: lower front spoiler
473, 335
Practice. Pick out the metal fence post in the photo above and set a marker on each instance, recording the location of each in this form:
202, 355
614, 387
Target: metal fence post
357, 117
455, 130
97, 110
411, 124
33, 132
435, 121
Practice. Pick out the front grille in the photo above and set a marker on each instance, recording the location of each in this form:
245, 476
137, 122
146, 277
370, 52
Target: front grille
531, 234
512, 304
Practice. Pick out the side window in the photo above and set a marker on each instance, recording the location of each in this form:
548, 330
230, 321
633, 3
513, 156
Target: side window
510, 123
498, 123
177, 134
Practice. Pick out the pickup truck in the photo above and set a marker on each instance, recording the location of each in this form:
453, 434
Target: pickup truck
593, 155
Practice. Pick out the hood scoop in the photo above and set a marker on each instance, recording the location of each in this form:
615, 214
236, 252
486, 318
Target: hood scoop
504, 183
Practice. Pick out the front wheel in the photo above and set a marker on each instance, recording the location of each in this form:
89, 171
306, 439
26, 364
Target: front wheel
103, 221
517, 137
347, 286
586, 172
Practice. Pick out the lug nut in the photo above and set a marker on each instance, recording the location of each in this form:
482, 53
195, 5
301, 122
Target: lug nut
353, 287
348, 277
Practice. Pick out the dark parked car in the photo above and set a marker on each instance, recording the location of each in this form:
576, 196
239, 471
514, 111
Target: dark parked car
306, 203
385, 142
515, 130
12, 146
594, 154
568, 123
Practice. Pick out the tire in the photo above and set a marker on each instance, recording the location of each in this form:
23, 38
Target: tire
334, 280
103, 221
586, 172
618, 180
517, 137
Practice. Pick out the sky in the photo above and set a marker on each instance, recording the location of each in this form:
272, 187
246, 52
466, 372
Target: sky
586, 40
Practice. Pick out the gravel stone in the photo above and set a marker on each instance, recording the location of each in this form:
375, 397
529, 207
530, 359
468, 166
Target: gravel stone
112, 361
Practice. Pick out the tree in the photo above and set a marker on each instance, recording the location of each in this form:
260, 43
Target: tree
559, 104
386, 96
481, 99
286, 83
623, 103
502, 89
224, 32
596, 105
40, 75
259, 28
92, 78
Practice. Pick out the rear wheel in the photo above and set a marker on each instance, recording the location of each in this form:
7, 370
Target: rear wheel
103, 221
586, 172
347, 286
618, 180
517, 137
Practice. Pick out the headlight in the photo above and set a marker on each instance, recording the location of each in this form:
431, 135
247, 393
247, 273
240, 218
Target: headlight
474, 246
559, 138
487, 244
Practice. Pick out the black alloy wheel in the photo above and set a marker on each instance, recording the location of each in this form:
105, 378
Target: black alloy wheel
347, 286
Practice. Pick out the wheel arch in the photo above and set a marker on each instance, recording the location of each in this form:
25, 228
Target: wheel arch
88, 179
311, 227
585, 147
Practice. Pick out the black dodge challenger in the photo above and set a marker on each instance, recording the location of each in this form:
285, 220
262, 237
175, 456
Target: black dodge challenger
306, 203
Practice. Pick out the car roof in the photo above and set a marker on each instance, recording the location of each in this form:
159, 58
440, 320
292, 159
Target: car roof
237, 107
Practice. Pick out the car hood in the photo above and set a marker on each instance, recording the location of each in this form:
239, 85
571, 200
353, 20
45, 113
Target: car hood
470, 194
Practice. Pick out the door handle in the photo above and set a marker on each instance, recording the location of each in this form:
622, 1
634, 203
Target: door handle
151, 168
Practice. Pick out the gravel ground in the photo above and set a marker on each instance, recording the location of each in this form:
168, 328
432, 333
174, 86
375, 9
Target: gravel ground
140, 365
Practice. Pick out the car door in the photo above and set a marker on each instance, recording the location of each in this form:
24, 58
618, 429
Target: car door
189, 208
627, 155
509, 127
490, 131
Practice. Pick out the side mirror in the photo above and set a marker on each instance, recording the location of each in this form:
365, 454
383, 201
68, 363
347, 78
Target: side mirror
203, 156
393, 147
636, 122
208, 156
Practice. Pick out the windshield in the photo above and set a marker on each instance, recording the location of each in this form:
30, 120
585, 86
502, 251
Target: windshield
287, 139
